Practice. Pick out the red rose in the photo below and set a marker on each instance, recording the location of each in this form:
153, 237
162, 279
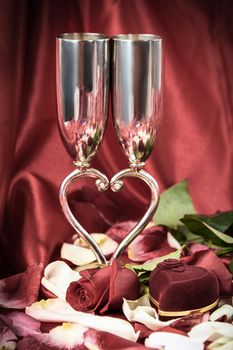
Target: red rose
101, 290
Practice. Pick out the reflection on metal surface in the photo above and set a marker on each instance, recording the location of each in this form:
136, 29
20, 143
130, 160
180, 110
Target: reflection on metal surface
101, 184
82, 92
116, 184
82, 64
136, 93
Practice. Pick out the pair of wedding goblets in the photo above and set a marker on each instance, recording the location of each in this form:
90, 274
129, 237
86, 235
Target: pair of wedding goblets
83, 62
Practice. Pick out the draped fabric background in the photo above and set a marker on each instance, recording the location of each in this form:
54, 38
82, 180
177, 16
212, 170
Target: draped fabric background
195, 140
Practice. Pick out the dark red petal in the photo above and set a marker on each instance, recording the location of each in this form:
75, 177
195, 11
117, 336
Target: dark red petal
21, 290
107, 341
22, 324
79, 298
120, 230
186, 323
209, 260
43, 342
35, 344
124, 283
150, 244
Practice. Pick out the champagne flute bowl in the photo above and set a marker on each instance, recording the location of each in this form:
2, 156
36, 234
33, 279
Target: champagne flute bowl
136, 98
82, 82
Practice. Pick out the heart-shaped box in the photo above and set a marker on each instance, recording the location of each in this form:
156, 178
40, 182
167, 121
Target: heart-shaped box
177, 289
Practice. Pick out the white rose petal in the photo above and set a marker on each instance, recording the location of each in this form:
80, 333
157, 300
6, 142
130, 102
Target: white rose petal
106, 243
172, 341
55, 310
67, 335
224, 310
211, 331
141, 311
172, 242
77, 255
57, 278
222, 343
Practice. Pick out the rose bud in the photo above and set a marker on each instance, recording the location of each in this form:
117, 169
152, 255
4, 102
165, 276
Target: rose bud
101, 290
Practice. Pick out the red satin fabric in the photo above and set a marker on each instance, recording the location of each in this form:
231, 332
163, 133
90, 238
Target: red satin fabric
195, 140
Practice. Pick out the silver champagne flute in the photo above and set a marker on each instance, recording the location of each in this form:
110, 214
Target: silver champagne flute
137, 61
82, 82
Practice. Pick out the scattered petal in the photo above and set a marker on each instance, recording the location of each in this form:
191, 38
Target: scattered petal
57, 278
67, 335
210, 261
120, 230
186, 323
211, 331
8, 339
222, 343
106, 243
77, 255
21, 290
224, 310
141, 311
23, 325
172, 242
36, 343
172, 341
150, 244
55, 310
197, 247
103, 340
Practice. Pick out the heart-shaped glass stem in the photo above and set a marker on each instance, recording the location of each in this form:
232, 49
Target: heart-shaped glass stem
136, 93
101, 184
116, 184
82, 66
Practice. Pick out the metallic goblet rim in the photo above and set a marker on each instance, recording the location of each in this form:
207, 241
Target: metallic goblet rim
137, 37
83, 37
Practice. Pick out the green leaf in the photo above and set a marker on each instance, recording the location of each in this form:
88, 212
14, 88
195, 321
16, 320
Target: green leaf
221, 221
224, 251
199, 227
174, 203
231, 266
151, 265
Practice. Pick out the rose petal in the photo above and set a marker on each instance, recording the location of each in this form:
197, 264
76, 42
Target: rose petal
209, 260
21, 290
172, 242
186, 323
197, 247
224, 310
35, 343
172, 341
222, 343
211, 331
57, 278
23, 325
123, 283
77, 255
55, 310
103, 340
8, 339
106, 243
67, 335
150, 244
141, 311
120, 230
